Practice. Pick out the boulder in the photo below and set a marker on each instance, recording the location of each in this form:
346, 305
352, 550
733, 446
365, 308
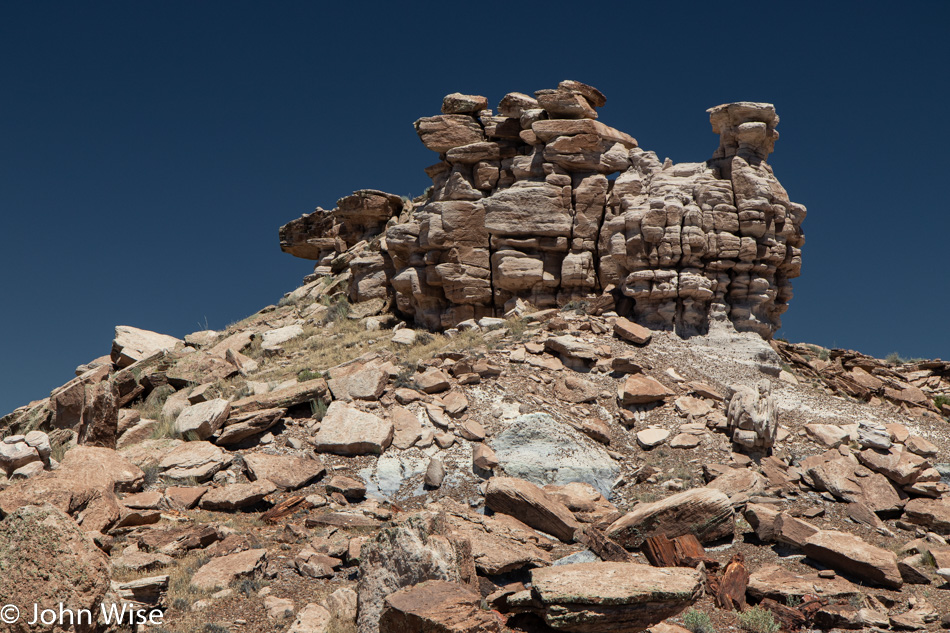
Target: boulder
919, 446
240, 426
872, 434
531, 505
704, 512
752, 417
287, 472
900, 466
684, 440
345, 430
641, 389
236, 496
16, 455
435, 473
407, 428
484, 458
223, 570
433, 380
604, 597
405, 555
739, 484
437, 606
632, 332
298, 394
194, 460
273, 339
500, 543
200, 421
444, 132
574, 389
84, 486
539, 449
933, 514
313, 618
358, 380
778, 583
652, 437
350, 488
850, 554
458, 103
830, 435
131, 344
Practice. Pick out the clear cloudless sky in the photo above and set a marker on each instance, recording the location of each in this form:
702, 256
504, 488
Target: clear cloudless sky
149, 151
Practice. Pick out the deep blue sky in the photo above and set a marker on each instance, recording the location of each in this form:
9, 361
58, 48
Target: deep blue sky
150, 150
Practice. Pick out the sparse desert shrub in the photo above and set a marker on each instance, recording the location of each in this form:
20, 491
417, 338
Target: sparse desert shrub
823, 355
151, 407
164, 428
941, 401
792, 600
318, 409
338, 309
758, 620
697, 621
249, 586
857, 601
151, 471
214, 628
308, 374
406, 378
58, 450
578, 306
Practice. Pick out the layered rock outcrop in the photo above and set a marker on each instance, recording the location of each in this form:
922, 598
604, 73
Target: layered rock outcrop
541, 201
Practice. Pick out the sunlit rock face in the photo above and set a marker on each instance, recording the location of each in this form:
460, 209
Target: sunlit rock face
542, 202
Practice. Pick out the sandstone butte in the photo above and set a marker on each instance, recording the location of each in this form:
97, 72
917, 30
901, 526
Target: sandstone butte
543, 396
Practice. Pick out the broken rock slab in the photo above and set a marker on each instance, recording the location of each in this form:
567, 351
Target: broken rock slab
778, 583
194, 460
603, 597
287, 472
704, 512
223, 570
531, 505
851, 554
345, 430
131, 344
236, 496
641, 389
200, 421
437, 606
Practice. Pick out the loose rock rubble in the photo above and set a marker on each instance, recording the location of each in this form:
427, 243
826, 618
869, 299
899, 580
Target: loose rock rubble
479, 414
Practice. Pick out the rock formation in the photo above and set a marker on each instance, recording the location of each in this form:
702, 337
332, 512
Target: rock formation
752, 416
543, 202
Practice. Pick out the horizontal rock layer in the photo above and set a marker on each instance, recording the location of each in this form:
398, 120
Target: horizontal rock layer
543, 202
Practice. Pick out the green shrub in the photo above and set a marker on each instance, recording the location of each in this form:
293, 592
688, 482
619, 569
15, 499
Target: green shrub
758, 620
318, 409
697, 621
942, 401
307, 374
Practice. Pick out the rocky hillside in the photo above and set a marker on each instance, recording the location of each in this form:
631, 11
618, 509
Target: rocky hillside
416, 441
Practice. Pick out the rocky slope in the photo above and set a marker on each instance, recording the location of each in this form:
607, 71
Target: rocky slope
327, 464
